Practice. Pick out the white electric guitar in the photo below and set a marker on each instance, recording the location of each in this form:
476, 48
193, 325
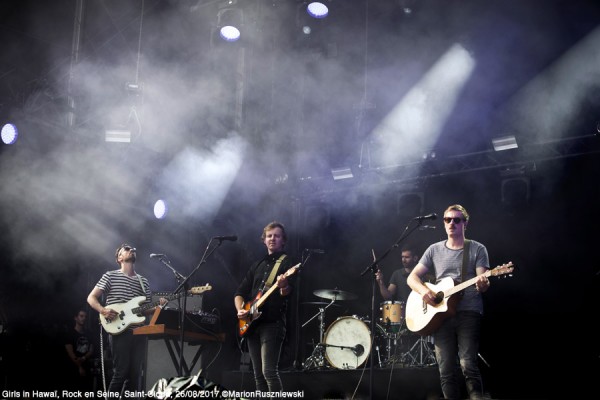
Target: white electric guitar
425, 319
132, 312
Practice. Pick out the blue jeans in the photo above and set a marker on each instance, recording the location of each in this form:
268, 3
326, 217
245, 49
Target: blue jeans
457, 340
264, 346
128, 353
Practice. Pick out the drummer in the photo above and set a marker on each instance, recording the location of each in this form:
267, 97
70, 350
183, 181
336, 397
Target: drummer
398, 289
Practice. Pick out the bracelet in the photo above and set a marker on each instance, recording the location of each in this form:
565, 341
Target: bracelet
284, 288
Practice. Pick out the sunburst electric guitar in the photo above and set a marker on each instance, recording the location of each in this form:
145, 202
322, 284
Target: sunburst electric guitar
254, 306
425, 319
132, 312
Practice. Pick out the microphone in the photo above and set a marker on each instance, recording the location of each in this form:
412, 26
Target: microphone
232, 238
156, 255
431, 216
318, 251
358, 350
425, 227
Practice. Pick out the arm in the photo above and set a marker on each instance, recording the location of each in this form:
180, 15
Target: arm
93, 301
239, 306
386, 293
284, 287
483, 283
415, 282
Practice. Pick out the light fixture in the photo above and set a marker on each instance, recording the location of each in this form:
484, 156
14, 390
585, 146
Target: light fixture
160, 209
117, 136
505, 143
10, 133
342, 173
230, 21
317, 9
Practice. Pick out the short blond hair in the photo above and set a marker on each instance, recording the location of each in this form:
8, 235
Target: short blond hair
458, 207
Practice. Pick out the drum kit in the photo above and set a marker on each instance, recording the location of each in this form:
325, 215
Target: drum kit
347, 342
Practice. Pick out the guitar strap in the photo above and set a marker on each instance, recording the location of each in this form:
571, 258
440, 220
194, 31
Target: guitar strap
465, 261
273, 273
141, 284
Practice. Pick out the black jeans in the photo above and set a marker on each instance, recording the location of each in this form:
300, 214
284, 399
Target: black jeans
264, 346
128, 353
458, 340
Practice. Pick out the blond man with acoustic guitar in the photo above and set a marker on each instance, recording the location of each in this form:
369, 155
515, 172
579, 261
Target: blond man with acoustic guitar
455, 322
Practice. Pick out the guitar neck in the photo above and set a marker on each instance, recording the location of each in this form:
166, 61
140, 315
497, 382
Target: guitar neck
465, 284
264, 297
148, 306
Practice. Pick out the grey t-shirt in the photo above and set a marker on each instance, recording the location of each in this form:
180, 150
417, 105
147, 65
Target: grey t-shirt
444, 262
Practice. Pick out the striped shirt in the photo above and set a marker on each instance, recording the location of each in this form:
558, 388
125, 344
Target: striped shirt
120, 288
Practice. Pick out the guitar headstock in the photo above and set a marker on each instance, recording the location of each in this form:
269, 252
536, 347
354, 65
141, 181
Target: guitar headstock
292, 270
200, 289
503, 269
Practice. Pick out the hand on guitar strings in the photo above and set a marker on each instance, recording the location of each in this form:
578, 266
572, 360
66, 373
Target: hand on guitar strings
482, 284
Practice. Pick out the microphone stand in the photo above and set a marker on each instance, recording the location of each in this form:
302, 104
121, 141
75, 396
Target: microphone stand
374, 268
183, 285
297, 364
165, 261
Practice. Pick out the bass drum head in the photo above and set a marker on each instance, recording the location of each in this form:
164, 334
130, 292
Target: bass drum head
348, 343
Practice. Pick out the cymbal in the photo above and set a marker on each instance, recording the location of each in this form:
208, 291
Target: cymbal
334, 294
320, 303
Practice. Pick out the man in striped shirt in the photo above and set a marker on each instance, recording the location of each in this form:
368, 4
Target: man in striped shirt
119, 286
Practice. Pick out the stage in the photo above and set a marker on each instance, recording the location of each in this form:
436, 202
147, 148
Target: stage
388, 383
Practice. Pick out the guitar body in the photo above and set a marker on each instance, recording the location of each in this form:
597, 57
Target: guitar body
126, 316
253, 314
132, 312
424, 319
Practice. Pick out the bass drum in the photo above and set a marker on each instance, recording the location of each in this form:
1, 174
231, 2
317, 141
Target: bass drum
347, 343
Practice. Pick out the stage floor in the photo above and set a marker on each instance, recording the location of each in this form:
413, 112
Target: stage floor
409, 383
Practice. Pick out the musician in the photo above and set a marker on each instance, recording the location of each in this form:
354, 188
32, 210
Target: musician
398, 289
128, 350
458, 336
266, 334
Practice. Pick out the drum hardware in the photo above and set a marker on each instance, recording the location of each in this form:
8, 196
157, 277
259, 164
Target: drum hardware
420, 354
317, 358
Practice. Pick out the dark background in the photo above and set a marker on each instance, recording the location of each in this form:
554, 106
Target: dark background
235, 137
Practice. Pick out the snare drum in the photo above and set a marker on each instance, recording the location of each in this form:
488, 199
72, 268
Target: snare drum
392, 312
348, 343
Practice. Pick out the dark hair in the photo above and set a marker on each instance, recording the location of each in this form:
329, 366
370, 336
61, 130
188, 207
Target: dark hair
273, 225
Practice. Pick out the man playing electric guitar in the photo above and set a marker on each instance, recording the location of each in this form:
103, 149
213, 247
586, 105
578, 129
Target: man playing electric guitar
266, 331
459, 332
128, 350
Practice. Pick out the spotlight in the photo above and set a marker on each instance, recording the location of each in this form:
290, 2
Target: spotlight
229, 22
505, 143
9, 133
317, 10
342, 173
160, 209
117, 136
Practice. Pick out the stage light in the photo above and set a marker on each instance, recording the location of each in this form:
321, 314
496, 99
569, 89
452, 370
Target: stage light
342, 173
10, 133
505, 143
160, 209
317, 10
117, 136
230, 33
229, 22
